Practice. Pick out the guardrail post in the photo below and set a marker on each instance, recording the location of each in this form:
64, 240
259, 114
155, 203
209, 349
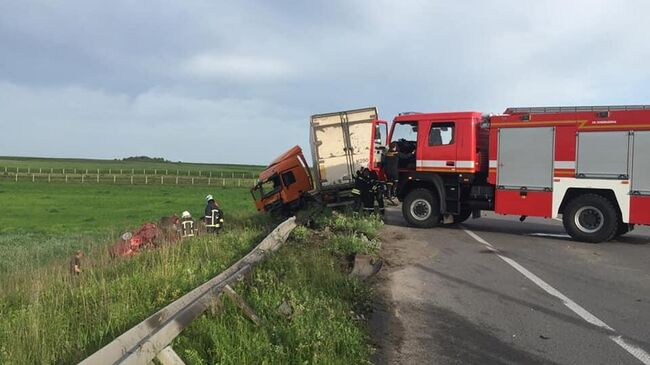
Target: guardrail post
114, 179
223, 182
239, 182
75, 171
29, 170
66, 178
169, 357
176, 179
86, 171
242, 305
16, 177
40, 170
155, 171
146, 179
51, 170
209, 179
199, 172
33, 177
192, 181
162, 182
98, 177
49, 178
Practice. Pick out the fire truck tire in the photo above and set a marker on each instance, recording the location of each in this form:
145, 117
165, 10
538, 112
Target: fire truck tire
590, 218
421, 208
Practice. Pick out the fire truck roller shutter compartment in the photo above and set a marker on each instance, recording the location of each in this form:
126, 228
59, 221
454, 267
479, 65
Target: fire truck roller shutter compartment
640, 197
603, 155
525, 171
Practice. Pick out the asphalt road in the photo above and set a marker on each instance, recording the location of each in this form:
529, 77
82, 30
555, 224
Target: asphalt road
524, 295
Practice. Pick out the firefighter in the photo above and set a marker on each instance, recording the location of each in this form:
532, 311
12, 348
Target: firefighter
367, 190
390, 163
187, 225
360, 189
213, 215
377, 192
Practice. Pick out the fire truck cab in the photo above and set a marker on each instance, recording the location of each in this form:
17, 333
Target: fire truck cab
589, 165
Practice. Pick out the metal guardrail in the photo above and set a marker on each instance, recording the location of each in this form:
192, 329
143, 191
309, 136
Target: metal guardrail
151, 338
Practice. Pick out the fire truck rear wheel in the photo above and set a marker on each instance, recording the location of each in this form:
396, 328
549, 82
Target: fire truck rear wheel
421, 208
590, 218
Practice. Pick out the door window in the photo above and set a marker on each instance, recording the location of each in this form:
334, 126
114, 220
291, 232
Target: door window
288, 178
441, 134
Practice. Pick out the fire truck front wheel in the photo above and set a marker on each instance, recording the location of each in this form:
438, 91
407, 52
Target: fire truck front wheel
421, 208
590, 218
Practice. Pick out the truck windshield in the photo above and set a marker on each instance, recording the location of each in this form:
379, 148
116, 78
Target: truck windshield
265, 188
406, 136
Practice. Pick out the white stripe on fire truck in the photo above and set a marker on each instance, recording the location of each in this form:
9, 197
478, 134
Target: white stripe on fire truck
564, 164
556, 164
443, 163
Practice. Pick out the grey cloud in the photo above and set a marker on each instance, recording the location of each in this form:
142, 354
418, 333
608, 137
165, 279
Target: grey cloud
248, 74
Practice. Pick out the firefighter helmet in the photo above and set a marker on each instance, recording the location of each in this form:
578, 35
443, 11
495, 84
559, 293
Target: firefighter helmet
186, 215
209, 197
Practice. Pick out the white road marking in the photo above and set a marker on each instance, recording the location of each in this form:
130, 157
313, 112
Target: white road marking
635, 351
554, 235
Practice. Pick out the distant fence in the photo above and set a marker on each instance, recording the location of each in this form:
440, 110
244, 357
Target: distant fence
126, 179
135, 172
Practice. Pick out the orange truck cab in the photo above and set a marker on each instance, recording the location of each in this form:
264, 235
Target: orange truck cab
282, 185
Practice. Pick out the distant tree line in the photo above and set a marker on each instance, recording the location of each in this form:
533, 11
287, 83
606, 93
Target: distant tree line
145, 159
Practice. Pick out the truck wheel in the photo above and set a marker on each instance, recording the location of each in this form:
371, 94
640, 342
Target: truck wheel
421, 209
590, 218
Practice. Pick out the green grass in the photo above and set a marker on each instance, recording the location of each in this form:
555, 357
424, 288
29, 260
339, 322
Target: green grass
327, 323
48, 318
40, 222
36, 163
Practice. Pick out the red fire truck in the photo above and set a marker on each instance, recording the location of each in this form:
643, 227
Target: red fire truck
589, 165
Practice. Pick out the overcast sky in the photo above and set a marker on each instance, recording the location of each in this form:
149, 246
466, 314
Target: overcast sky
236, 81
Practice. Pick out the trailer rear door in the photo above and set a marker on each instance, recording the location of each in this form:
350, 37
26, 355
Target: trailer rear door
340, 143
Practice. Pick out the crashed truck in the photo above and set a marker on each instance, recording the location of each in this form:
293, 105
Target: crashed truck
341, 143
588, 165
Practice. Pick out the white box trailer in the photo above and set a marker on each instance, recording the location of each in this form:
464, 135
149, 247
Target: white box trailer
340, 143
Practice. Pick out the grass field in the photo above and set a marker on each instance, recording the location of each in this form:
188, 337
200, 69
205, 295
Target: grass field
47, 318
44, 165
44, 221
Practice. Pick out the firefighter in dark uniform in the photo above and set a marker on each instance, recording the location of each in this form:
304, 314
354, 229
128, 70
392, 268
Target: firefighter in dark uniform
377, 192
368, 190
360, 190
213, 215
390, 163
